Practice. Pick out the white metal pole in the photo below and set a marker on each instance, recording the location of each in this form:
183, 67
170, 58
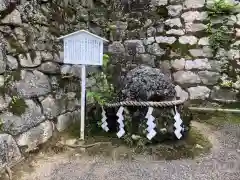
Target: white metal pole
83, 93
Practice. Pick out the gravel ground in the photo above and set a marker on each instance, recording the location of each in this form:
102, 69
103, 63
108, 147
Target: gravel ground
223, 163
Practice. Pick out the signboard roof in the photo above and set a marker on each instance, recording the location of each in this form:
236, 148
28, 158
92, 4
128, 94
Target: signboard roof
82, 31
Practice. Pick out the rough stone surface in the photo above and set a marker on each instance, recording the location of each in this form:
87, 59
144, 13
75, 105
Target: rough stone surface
209, 78
4, 102
134, 46
159, 2
191, 16
174, 10
12, 63
224, 94
200, 64
14, 18
199, 92
181, 93
195, 27
186, 77
33, 83
3, 58
204, 52
177, 32
178, 64
50, 68
27, 61
165, 39
65, 120
148, 83
9, 151
15, 125
188, 40
116, 48
149, 40
190, 4
176, 22
204, 41
155, 49
36, 136
52, 107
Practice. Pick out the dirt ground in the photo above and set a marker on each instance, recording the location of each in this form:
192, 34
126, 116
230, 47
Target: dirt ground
223, 162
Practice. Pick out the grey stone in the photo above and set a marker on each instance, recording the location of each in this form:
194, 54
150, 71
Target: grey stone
199, 92
178, 64
204, 41
236, 44
204, 52
4, 102
53, 107
174, 10
36, 136
193, 4
217, 65
159, 2
155, 49
151, 31
149, 40
134, 46
200, 64
58, 57
176, 22
148, 83
191, 16
208, 77
175, 1
195, 27
16, 125
46, 56
14, 18
32, 84
237, 32
165, 68
65, 120
116, 48
165, 39
2, 80
3, 58
27, 61
71, 70
238, 19
9, 151
188, 40
186, 77
223, 94
148, 59
12, 62
49, 68
181, 93
4, 5
234, 54
178, 32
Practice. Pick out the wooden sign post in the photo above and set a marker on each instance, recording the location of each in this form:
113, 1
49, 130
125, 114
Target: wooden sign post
83, 48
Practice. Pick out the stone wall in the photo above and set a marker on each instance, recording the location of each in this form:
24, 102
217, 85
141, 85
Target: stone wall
40, 95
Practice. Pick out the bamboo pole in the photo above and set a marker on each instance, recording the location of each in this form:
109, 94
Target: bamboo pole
215, 109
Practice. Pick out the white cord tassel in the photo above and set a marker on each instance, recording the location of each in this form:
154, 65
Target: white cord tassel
104, 122
151, 124
177, 124
121, 131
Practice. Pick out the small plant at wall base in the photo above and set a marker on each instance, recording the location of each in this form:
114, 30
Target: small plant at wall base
105, 91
